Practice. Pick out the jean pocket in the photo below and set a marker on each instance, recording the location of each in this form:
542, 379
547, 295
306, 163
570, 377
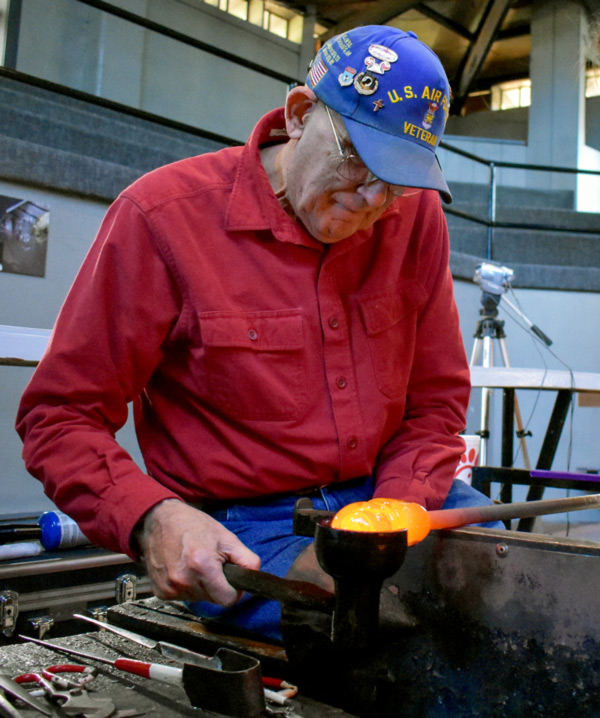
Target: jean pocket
253, 364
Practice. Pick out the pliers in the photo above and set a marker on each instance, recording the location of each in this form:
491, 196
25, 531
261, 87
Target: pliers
52, 674
70, 694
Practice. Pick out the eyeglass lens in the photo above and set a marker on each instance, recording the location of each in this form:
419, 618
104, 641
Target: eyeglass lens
352, 168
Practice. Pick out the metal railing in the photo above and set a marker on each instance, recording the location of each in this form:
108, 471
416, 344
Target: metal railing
491, 222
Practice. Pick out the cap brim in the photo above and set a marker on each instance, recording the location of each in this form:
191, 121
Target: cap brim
397, 160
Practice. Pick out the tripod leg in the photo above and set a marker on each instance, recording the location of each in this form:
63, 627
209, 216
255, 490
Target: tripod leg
486, 393
518, 419
475, 352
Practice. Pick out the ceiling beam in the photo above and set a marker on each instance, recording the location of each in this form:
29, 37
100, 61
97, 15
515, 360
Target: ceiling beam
445, 22
512, 32
478, 51
378, 13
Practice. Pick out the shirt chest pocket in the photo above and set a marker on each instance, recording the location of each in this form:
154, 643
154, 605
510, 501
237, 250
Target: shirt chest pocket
253, 364
389, 318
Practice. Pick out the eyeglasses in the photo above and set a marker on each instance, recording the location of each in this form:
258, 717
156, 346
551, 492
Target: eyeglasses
353, 169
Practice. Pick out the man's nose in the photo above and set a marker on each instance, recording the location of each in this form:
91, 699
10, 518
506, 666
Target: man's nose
375, 193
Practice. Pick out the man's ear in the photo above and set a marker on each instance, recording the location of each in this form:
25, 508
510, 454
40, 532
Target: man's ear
299, 104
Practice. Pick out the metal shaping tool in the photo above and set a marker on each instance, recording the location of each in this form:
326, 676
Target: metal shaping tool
14, 689
7, 709
358, 562
169, 650
74, 701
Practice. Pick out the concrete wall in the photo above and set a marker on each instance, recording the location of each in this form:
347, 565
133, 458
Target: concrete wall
73, 44
35, 302
504, 125
461, 169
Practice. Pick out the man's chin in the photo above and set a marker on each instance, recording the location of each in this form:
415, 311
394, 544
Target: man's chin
335, 231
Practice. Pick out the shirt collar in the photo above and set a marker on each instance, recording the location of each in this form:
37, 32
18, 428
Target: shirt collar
253, 204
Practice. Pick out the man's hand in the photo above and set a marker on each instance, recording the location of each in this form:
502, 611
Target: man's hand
184, 551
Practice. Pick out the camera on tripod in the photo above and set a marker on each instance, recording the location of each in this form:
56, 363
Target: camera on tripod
493, 278
495, 281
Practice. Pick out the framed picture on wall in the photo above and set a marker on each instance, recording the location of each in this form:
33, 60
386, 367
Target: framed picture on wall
23, 236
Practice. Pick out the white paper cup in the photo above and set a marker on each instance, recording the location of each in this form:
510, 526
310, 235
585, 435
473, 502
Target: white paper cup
464, 470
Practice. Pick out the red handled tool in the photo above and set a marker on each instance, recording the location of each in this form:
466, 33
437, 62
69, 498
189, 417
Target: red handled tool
234, 688
155, 671
70, 695
52, 674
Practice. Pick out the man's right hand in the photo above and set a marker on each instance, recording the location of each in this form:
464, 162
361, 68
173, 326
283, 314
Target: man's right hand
184, 550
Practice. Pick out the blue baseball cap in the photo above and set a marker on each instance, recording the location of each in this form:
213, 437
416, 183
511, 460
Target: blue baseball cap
393, 95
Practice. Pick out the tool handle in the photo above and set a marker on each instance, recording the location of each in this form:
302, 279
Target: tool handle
27, 678
154, 671
453, 518
284, 590
70, 668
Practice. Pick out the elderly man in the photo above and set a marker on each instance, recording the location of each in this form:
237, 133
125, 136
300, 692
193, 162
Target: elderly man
282, 317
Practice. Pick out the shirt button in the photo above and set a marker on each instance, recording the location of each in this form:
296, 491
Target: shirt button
352, 442
341, 382
334, 323
252, 335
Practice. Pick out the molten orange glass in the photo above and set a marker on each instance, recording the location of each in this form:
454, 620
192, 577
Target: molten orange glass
384, 515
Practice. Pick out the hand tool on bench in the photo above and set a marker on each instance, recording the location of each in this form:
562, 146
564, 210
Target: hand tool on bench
7, 710
14, 689
56, 674
185, 655
235, 689
169, 650
72, 701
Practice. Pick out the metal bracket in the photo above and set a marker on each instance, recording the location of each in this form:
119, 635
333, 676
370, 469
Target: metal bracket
9, 610
98, 612
126, 587
42, 625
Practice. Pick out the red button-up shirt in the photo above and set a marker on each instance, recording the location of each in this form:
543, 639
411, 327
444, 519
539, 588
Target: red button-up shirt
258, 359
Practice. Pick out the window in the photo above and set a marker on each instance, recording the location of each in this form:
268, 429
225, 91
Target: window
592, 82
238, 8
3, 24
266, 14
509, 95
275, 23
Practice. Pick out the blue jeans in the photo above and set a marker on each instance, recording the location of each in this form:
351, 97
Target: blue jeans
266, 527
